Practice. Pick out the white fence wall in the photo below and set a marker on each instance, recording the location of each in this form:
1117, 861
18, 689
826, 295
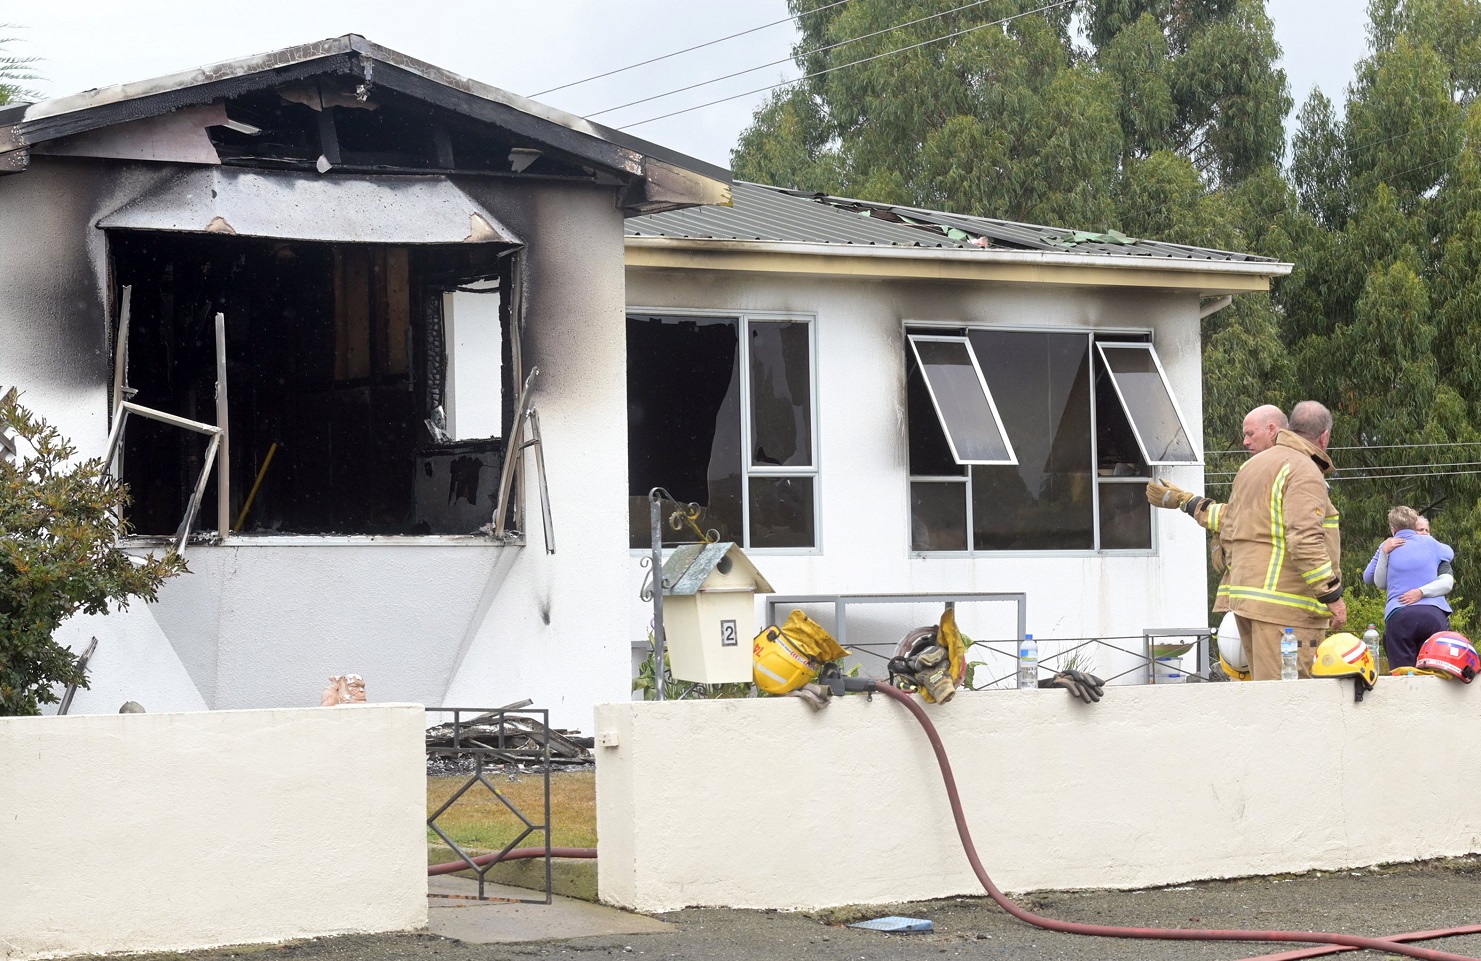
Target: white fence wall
761, 803
155, 832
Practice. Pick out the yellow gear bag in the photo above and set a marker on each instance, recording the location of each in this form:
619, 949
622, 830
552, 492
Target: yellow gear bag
787, 657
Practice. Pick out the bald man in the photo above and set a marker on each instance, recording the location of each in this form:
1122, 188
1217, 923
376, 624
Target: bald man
1260, 428
1284, 546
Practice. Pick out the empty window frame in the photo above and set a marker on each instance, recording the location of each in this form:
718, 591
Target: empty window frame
721, 413
962, 400
337, 361
1077, 484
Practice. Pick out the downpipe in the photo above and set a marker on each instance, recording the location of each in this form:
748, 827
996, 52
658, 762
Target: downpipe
1328, 943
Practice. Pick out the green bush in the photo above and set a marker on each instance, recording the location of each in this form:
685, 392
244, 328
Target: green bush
59, 526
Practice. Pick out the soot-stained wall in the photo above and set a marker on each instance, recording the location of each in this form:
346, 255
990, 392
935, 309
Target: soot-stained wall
546, 627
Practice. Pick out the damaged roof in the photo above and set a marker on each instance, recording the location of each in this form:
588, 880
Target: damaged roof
766, 214
652, 178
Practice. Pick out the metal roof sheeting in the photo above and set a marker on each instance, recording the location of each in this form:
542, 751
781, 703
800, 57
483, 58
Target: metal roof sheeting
778, 215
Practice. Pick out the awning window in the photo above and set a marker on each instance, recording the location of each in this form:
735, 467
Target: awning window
963, 403
1158, 425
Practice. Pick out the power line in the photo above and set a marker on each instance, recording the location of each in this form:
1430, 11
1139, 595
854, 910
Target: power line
1456, 443
853, 63
805, 53
1367, 477
698, 46
1337, 474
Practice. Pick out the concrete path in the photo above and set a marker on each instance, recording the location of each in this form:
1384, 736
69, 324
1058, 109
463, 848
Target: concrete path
495, 922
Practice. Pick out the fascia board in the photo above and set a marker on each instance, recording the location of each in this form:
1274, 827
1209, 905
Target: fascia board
1046, 267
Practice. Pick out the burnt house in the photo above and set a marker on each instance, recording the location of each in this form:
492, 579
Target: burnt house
351, 328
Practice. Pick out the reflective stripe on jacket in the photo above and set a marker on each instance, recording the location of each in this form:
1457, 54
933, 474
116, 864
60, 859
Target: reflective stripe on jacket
1281, 537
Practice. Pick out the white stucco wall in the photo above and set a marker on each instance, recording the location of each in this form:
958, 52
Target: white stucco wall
165, 832
260, 625
863, 468
762, 803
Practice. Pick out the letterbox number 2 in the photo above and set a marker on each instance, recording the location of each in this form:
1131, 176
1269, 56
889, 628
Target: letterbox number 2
728, 635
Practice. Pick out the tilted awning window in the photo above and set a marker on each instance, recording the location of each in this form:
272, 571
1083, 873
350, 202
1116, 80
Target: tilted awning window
963, 402
1158, 425
332, 208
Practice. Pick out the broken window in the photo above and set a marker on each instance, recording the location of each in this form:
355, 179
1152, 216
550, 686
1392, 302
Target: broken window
721, 414
344, 402
1077, 484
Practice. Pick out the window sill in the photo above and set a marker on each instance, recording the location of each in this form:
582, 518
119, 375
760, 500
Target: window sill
988, 555
749, 551
326, 540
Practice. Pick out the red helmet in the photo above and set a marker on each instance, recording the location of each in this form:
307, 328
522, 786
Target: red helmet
1449, 653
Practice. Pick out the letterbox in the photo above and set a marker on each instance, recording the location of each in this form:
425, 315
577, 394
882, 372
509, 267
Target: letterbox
709, 612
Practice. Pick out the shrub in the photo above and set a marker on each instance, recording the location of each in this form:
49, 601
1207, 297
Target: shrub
59, 526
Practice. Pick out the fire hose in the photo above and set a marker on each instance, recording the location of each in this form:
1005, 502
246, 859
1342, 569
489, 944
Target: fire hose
1329, 943
1338, 942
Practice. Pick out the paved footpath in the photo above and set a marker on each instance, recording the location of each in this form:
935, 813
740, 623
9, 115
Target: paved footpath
1369, 902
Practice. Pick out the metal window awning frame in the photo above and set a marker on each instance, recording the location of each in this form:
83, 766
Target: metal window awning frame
218, 432
915, 340
1136, 429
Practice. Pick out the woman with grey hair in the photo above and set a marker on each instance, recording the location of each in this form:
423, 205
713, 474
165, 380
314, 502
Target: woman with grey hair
1415, 571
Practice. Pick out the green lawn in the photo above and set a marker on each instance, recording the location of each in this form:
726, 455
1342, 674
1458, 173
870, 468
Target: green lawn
480, 821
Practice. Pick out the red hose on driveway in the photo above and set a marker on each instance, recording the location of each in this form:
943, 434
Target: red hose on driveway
1393, 946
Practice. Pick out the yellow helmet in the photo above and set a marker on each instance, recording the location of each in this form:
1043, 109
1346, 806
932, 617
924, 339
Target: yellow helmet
1343, 655
787, 657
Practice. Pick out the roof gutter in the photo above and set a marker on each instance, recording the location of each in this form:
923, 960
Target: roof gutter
954, 255
1208, 278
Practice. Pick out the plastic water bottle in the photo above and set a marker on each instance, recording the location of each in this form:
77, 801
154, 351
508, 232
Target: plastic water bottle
1028, 664
1288, 650
1370, 638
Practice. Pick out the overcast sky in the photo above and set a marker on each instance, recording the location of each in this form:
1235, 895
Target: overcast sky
529, 48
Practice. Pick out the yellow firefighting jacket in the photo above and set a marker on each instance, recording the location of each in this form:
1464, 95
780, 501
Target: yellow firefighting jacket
1280, 537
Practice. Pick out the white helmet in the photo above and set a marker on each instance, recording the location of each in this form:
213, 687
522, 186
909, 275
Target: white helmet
1231, 650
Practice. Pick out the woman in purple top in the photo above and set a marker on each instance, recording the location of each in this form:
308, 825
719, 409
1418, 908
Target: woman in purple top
1414, 569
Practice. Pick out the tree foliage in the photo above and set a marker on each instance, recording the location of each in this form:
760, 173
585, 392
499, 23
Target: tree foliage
1164, 119
15, 71
59, 523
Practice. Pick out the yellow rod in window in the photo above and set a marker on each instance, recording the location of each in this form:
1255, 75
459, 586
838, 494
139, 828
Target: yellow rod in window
261, 473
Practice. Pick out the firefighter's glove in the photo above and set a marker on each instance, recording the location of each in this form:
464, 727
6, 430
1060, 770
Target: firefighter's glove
1161, 493
815, 696
1087, 687
931, 671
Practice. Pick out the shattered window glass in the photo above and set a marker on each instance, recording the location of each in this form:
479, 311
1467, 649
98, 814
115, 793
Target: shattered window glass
683, 422
781, 395
741, 452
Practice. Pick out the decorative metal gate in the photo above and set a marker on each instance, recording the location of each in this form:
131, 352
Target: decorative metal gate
493, 738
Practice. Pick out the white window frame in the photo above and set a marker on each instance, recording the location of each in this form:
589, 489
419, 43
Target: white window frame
961, 330
744, 319
1136, 430
915, 341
